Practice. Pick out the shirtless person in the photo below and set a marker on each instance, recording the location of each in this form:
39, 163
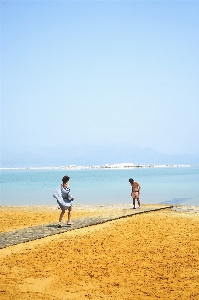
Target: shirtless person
135, 194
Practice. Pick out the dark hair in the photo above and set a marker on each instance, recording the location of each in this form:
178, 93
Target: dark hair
65, 179
131, 180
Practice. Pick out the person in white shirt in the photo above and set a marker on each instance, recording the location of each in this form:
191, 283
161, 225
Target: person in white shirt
64, 200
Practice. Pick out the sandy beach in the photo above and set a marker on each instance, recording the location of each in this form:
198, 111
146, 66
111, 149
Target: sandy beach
147, 256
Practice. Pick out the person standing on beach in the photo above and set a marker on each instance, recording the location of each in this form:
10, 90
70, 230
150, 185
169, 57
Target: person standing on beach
64, 200
135, 193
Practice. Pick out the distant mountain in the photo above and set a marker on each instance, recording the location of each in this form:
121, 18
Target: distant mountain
95, 154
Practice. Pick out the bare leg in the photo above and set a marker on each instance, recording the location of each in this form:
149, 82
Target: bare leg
133, 202
69, 215
138, 199
61, 216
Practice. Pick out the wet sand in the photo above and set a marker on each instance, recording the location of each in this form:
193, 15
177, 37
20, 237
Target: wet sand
147, 256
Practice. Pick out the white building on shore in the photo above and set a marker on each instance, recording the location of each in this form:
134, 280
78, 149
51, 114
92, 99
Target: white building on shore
120, 166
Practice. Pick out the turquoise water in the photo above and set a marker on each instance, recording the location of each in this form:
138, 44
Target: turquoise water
101, 186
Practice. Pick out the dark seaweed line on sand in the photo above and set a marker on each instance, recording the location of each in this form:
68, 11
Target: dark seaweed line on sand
24, 235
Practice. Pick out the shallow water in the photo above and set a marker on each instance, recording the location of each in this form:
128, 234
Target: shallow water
178, 185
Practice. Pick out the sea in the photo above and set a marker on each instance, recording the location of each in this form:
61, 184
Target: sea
162, 185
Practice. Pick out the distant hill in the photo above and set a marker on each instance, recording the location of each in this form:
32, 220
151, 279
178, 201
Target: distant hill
95, 154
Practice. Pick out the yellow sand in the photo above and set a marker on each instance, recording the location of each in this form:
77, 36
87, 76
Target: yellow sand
147, 256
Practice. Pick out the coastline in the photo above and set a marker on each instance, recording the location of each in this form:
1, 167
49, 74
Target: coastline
146, 256
121, 166
18, 217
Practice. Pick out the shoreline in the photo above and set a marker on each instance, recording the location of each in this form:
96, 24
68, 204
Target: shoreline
98, 206
121, 166
19, 217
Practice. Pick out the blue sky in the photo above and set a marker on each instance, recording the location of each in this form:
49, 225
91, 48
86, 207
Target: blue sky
100, 72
